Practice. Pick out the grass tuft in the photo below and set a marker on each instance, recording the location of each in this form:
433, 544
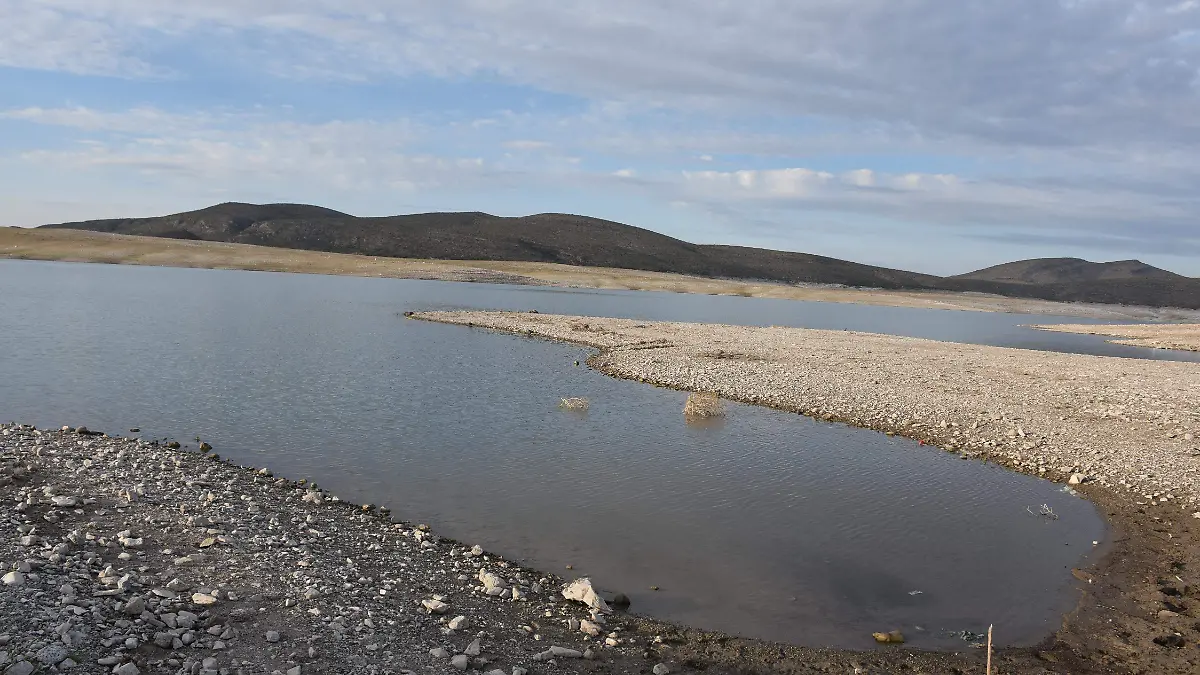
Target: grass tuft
574, 404
703, 404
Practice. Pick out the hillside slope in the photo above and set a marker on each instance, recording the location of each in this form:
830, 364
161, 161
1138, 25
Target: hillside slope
594, 242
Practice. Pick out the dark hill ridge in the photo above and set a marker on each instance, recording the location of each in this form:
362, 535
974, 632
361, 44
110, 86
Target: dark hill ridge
593, 242
1068, 270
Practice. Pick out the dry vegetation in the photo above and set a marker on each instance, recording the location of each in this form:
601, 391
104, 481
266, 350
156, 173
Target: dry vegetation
82, 246
574, 403
703, 404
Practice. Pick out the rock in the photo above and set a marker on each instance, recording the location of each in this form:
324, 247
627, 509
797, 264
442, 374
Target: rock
590, 628
476, 550
517, 670
1076, 479
1167, 614
1174, 640
272, 636
557, 651
458, 623
51, 654
293, 671
474, 648
163, 640
661, 669
19, 668
64, 502
581, 590
127, 669
174, 445
14, 578
440, 653
460, 661
135, 606
203, 599
435, 606
205, 447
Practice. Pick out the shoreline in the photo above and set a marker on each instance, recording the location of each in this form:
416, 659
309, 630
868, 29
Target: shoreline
97, 247
988, 403
133, 556
1155, 336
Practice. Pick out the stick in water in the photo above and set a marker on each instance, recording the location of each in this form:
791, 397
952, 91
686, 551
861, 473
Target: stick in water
989, 660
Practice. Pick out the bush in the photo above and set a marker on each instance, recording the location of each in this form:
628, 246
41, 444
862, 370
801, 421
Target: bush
574, 404
703, 404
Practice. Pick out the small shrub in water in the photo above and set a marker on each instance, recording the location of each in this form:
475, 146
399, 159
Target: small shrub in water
703, 404
574, 404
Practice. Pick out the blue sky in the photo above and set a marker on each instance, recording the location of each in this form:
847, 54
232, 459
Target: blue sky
927, 135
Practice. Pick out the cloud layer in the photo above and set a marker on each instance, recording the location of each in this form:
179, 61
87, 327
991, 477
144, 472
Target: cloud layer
1061, 126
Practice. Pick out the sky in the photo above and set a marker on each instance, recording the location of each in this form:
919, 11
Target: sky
919, 134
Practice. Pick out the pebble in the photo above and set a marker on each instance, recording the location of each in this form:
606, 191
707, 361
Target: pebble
272, 636
458, 623
474, 648
460, 661
14, 578
661, 669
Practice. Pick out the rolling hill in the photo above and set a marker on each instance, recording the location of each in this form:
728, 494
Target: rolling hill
585, 241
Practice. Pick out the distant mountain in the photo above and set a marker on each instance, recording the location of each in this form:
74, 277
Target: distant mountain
1068, 270
593, 242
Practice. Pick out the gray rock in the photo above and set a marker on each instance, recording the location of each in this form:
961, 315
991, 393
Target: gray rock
661, 669
163, 640
460, 661
474, 648
518, 670
458, 623
272, 636
439, 652
127, 669
135, 606
435, 606
51, 654
590, 628
19, 668
14, 578
293, 671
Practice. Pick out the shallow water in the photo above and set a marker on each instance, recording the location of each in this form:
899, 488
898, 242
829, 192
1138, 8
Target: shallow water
766, 524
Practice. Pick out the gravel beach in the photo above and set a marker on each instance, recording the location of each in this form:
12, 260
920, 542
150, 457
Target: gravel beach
1157, 335
1123, 432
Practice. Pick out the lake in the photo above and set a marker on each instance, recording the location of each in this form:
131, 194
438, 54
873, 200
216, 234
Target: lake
766, 524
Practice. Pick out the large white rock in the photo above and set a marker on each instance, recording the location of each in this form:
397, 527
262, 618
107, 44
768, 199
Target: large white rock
581, 590
14, 578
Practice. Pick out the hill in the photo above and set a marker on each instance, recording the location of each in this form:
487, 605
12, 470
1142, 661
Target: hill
594, 242
1068, 270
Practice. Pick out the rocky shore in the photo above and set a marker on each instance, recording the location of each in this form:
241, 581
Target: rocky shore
1124, 432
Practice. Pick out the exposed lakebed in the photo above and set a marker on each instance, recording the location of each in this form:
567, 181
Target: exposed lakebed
765, 524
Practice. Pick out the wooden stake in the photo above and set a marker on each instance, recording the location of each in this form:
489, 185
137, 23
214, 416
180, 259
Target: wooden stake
989, 660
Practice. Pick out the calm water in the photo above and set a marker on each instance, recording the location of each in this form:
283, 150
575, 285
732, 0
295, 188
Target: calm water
767, 524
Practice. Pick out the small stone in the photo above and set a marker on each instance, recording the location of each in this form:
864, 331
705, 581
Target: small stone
19, 668
163, 640
126, 669
205, 447
476, 550
1076, 479
203, 599
135, 606
458, 623
272, 636
1167, 614
293, 671
460, 661
14, 578
439, 653
517, 670
51, 654
435, 606
590, 628
661, 669
474, 648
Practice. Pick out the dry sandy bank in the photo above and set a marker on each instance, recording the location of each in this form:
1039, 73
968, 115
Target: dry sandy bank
1160, 336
